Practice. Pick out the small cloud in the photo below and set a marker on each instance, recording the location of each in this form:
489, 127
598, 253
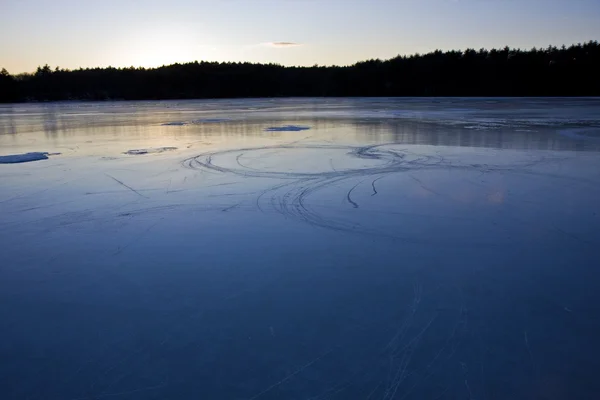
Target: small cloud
283, 44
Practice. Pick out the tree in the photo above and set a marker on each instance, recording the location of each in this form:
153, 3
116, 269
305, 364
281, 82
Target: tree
42, 71
495, 72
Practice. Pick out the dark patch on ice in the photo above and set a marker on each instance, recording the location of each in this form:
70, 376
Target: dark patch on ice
137, 152
287, 128
178, 123
27, 157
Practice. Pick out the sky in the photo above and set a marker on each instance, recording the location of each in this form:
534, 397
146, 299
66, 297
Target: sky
88, 33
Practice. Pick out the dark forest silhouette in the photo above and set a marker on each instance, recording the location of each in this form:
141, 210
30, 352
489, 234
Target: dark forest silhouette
552, 71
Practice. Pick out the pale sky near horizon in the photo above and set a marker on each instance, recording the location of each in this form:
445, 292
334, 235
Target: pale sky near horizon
82, 33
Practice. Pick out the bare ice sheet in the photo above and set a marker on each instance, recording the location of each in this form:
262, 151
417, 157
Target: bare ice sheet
398, 249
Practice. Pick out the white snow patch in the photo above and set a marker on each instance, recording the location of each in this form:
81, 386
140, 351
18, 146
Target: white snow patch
287, 128
27, 157
197, 121
154, 150
210, 120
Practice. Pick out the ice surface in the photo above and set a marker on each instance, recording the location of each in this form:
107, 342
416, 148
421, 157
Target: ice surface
391, 252
22, 158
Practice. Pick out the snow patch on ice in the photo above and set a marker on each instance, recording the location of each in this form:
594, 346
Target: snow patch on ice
482, 127
287, 128
210, 120
154, 150
23, 158
197, 122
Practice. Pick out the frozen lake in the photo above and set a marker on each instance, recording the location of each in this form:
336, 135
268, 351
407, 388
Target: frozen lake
300, 249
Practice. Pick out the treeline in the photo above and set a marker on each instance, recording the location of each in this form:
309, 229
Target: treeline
565, 71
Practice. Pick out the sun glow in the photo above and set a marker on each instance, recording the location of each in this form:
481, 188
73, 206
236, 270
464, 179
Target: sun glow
157, 48
162, 54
